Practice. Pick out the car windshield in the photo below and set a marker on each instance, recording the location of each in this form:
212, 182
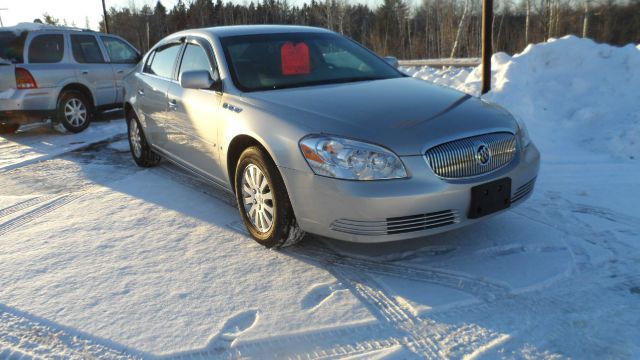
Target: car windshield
278, 61
11, 47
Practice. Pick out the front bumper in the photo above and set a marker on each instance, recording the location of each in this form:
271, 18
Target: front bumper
390, 210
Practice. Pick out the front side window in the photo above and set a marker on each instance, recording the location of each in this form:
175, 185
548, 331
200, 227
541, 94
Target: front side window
86, 50
46, 49
277, 61
163, 60
195, 58
119, 51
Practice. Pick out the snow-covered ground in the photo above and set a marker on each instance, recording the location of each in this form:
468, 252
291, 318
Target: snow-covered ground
100, 258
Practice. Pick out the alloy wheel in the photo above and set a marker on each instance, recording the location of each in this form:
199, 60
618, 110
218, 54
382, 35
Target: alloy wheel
75, 112
257, 198
135, 139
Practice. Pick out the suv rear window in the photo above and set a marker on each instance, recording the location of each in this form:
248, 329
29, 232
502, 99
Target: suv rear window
48, 48
12, 46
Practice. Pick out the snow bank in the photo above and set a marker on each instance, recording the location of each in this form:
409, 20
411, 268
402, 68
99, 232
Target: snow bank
575, 95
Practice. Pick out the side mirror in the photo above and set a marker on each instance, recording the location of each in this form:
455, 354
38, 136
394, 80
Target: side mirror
197, 79
392, 60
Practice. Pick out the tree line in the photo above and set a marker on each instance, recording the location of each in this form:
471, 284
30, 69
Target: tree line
432, 29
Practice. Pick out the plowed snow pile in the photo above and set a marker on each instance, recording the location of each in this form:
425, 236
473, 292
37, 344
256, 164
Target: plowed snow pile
577, 97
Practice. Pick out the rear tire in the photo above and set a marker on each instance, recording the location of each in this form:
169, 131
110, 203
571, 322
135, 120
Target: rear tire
74, 111
141, 152
263, 201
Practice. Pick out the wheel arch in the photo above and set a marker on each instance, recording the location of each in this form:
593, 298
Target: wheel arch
237, 145
83, 89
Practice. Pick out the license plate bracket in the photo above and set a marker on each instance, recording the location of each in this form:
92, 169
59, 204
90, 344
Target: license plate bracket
490, 197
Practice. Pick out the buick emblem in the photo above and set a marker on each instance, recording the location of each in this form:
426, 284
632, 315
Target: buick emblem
483, 154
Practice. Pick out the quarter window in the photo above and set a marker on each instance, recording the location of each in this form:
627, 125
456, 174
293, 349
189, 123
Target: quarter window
46, 49
119, 51
86, 49
163, 60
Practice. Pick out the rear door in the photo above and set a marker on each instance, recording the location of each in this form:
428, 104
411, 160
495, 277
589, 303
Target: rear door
123, 58
49, 62
194, 114
93, 69
157, 74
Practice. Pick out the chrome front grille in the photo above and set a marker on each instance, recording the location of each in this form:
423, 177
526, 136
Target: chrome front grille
523, 190
396, 225
463, 158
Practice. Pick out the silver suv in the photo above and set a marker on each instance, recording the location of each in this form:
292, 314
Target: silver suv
66, 74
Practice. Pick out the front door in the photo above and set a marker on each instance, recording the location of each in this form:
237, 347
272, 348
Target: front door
158, 73
194, 115
123, 58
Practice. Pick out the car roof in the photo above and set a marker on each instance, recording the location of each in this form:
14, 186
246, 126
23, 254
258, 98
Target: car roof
236, 30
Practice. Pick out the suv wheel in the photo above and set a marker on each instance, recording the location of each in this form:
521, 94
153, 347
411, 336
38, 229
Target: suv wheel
74, 112
263, 201
142, 153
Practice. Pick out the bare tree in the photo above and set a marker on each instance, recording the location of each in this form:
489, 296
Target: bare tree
462, 26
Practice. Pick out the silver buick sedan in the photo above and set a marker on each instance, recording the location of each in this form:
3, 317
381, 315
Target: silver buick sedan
314, 133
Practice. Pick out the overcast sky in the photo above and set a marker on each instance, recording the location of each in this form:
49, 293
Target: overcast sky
79, 11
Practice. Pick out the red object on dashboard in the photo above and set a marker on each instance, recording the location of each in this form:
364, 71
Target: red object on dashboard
295, 58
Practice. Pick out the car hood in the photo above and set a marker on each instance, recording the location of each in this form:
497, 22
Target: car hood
405, 114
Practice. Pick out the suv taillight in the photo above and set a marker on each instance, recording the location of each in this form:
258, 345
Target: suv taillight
24, 79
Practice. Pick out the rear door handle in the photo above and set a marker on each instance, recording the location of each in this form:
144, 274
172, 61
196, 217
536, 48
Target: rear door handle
120, 71
85, 72
173, 104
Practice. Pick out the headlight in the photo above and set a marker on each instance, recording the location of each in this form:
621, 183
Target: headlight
523, 133
350, 159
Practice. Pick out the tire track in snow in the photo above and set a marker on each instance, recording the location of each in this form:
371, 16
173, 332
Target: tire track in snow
42, 210
24, 205
23, 338
424, 337
480, 288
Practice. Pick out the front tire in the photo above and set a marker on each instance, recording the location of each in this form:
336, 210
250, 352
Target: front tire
141, 152
74, 112
263, 201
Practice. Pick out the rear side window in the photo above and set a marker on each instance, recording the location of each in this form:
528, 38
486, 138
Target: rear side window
163, 60
12, 46
119, 51
46, 49
86, 49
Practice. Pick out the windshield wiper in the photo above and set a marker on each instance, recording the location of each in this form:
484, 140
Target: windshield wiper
323, 82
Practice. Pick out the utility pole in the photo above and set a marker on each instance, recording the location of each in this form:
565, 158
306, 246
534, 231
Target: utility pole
106, 19
487, 19
1, 23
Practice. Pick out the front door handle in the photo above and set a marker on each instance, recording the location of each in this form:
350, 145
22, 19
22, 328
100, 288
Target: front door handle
140, 92
173, 105
85, 72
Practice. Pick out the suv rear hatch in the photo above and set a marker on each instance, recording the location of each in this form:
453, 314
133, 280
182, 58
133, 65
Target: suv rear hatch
11, 53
